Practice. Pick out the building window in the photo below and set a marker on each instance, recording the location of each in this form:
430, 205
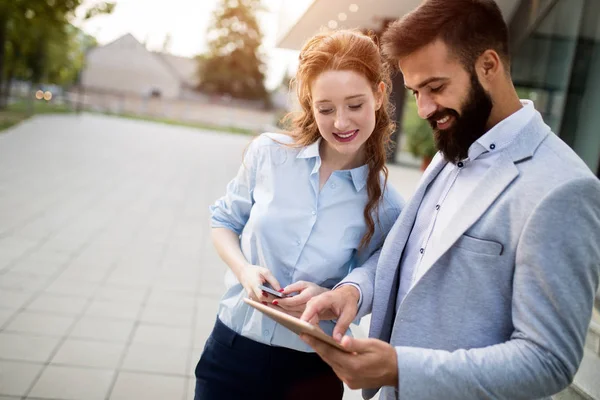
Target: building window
557, 65
155, 93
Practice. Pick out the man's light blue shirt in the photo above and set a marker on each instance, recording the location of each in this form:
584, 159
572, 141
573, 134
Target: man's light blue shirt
297, 231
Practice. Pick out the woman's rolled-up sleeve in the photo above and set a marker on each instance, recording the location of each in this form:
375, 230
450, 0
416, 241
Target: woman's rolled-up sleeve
233, 209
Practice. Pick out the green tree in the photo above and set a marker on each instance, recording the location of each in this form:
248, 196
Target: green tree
233, 63
37, 41
419, 135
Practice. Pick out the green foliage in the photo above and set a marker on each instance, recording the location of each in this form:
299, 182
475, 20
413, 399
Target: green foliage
38, 43
419, 136
233, 64
99, 9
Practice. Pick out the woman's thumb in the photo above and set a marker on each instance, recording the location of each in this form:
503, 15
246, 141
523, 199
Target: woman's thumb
294, 287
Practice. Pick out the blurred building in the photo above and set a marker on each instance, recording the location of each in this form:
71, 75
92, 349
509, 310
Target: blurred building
555, 46
126, 66
124, 77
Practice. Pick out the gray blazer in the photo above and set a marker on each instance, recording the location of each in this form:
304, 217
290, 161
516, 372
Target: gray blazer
503, 310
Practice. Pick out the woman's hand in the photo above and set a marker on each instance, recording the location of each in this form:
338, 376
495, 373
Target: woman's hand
251, 276
295, 305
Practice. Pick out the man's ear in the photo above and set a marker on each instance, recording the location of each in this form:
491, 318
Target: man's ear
488, 65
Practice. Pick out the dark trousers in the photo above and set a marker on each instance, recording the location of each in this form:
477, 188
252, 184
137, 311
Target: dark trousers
235, 367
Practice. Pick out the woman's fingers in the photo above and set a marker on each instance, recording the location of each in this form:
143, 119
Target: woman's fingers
295, 301
269, 277
295, 287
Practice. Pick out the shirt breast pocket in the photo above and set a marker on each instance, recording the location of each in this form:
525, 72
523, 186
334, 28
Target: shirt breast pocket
479, 246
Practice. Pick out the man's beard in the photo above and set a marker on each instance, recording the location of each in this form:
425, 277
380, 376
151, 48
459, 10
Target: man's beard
466, 128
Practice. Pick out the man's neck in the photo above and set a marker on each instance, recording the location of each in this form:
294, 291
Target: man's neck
504, 106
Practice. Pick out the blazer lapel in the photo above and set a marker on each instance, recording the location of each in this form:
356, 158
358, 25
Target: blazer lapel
386, 281
493, 183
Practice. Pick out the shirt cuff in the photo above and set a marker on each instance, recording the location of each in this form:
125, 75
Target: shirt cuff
360, 296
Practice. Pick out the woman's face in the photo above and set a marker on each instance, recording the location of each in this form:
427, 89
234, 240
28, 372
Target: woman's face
344, 107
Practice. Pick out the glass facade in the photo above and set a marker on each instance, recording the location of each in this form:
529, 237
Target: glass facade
556, 63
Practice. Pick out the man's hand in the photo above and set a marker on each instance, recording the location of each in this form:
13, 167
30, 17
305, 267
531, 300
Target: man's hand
341, 303
372, 363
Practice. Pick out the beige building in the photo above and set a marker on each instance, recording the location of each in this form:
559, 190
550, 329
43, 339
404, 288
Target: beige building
125, 66
124, 77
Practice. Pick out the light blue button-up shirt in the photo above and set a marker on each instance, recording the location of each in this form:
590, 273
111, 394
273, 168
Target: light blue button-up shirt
449, 191
297, 231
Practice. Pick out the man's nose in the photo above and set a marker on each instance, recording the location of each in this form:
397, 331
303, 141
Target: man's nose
425, 107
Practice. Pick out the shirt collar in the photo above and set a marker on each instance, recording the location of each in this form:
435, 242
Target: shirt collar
504, 132
358, 175
310, 151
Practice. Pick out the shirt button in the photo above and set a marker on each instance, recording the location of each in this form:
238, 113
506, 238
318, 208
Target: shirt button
314, 213
492, 146
460, 164
333, 185
421, 250
297, 242
437, 206
266, 332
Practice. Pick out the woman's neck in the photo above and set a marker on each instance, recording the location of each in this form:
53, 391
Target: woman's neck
335, 161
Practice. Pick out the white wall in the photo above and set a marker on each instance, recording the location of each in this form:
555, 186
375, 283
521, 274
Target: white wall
126, 66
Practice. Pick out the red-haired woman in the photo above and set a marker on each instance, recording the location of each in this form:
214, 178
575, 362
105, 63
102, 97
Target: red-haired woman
305, 209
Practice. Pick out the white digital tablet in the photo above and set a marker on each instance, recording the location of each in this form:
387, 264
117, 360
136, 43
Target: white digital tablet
294, 324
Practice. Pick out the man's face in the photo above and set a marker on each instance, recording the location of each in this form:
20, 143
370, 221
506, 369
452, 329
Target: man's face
451, 99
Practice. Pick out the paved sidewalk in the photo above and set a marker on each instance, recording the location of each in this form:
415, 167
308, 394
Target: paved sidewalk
108, 280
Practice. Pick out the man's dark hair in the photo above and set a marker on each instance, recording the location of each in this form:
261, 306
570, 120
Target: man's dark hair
467, 27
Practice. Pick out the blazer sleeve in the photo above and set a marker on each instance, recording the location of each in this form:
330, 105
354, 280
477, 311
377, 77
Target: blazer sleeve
363, 276
555, 281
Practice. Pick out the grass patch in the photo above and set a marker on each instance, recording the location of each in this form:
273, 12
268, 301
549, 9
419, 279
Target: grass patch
9, 118
20, 111
39, 107
198, 125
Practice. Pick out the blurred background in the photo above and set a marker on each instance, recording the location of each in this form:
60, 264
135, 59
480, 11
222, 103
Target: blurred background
122, 121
